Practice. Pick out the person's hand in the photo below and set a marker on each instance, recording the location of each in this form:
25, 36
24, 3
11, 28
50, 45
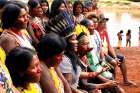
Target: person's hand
78, 91
111, 83
104, 68
118, 62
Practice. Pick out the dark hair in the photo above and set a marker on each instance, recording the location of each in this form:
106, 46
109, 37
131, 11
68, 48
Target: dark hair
43, 1
47, 12
50, 45
85, 22
3, 3
92, 16
128, 32
76, 3
121, 31
33, 3
55, 8
10, 14
17, 62
69, 52
81, 35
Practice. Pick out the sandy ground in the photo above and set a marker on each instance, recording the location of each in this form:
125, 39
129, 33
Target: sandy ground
130, 7
133, 66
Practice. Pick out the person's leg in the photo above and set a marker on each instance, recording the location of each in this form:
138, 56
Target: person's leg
126, 43
124, 70
113, 63
122, 66
120, 90
129, 43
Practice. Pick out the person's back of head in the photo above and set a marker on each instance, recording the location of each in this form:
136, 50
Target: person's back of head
85, 22
50, 45
121, 31
2, 4
129, 31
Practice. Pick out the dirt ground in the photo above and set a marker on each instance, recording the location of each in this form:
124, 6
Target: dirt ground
133, 67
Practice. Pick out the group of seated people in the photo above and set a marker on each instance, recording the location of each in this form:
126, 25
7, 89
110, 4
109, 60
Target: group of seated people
63, 48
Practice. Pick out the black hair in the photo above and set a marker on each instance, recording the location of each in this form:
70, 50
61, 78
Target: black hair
43, 1
69, 52
3, 3
10, 14
55, 8
80, 35
128, 32
33, 3
121, 31
85, 22
47, 12
50, 45
17, 62
92, 16
76, 3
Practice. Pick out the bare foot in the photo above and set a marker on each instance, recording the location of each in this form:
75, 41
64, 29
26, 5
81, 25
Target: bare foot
129, 83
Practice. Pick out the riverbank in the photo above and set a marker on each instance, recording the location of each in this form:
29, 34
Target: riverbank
120, 6
133, 66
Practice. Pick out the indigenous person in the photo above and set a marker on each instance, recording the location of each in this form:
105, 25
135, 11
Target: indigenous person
57, 7
6, 84
50, 52
70, 64
25, 70
96, 56
119, 34
14, 23
36, 15
91, 87
110, 55
2, 4
77, 11
128, 38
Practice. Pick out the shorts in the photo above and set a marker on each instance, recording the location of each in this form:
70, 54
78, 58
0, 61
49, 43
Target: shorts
121, 58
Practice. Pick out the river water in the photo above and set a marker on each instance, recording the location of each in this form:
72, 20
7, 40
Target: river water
122, 21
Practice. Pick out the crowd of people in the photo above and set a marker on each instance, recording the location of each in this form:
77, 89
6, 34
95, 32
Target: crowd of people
59, 48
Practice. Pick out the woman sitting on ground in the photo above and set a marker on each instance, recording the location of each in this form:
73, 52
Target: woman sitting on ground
50, 52
6, 85
24, 67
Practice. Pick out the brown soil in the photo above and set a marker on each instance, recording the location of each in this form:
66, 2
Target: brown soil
133, 66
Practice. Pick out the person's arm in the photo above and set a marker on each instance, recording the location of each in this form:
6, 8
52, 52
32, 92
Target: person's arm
14, 89
98, 86
102, 54
111, 50
7, 42
31, 33
68, 77
2, 90
103, 79
67, 88
92, 74
88, 74
75, 90
46, 81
